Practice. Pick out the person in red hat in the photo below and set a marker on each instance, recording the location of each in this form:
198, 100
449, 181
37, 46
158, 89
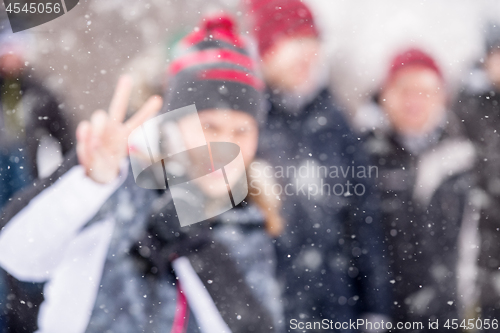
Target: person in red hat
113, 253
288, 43
331, 259
425, 165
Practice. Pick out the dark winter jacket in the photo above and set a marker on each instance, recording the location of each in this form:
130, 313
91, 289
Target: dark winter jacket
479, 111
331, 255
425, 185
42, 115
231, 254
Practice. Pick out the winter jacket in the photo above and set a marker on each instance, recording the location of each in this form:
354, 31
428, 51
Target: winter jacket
144, 266
41, 115
425, 185
479, 110
331, 256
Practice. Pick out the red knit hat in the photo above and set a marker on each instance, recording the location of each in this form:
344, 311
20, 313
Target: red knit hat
413, 57
274, 19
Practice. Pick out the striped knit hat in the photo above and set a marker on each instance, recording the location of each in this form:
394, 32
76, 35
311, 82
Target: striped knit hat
215, 71
275, 19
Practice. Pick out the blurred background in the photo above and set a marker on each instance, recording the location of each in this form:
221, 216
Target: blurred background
81, 54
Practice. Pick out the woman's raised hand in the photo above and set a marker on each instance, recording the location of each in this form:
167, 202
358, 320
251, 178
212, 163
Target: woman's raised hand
102, 141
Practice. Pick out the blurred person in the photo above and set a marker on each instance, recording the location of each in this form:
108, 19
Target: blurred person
111, 251
331, 255
28, 113
478, 106
425, 180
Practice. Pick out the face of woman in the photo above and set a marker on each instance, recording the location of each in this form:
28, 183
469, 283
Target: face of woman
289, 64
493, 68
222, 126
414, 100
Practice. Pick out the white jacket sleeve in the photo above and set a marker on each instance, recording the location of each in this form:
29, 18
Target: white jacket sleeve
34, 241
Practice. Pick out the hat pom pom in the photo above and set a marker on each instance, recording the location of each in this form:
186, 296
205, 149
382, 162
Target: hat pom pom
221, 23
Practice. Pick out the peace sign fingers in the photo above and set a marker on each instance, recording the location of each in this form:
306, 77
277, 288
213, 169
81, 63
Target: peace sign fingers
149, 109
119, 102
102, 141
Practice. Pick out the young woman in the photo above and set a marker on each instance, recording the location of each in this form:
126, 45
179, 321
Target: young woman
114, 255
